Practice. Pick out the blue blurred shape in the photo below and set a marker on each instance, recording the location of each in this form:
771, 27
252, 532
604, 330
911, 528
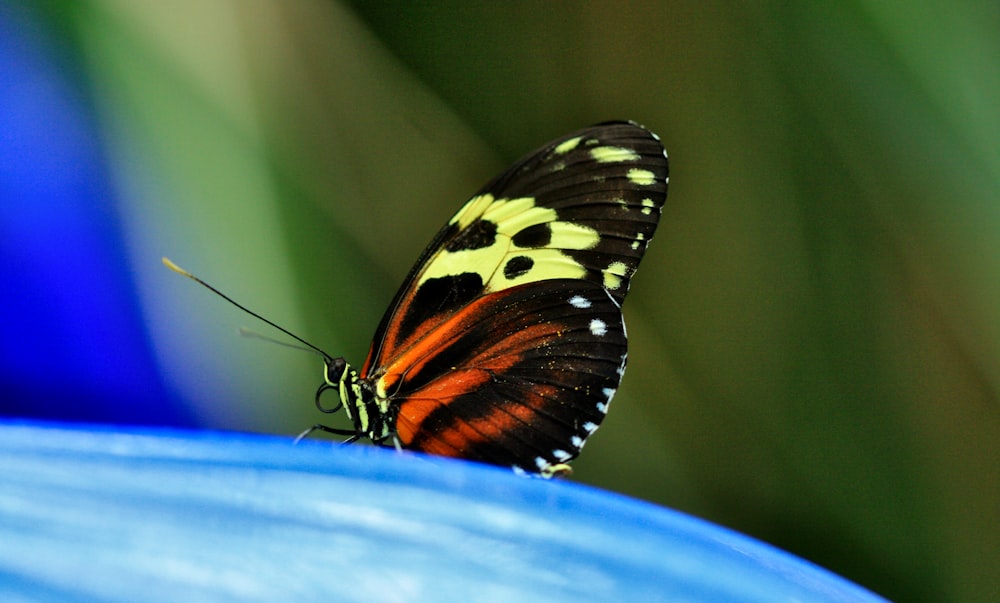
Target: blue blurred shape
73, 345
143, 515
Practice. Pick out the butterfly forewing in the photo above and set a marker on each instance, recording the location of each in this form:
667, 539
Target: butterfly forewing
506, 341
585, 206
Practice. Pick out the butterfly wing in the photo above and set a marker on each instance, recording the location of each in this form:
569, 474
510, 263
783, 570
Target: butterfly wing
569, 221
585, 206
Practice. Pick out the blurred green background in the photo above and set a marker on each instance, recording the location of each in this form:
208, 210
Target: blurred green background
815, 333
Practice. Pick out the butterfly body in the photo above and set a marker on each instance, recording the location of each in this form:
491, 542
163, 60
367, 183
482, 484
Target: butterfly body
506, 342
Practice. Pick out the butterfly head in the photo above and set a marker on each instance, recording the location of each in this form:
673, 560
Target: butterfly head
356, 398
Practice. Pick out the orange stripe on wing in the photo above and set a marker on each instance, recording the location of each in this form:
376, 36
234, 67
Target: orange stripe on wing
420, 387
473, 321
459, 435
415, 408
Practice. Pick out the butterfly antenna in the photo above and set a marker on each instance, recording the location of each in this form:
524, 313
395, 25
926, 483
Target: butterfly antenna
183, 272
251, 334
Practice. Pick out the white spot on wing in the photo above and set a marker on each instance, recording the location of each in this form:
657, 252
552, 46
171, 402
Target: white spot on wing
589, 427
561, 455
541, 463
598, 327
578, 301
577, 442
609, 393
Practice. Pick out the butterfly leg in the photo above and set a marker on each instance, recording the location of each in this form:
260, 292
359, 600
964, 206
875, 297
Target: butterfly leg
353, 435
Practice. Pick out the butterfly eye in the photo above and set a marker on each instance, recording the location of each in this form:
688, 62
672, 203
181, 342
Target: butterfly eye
334, 371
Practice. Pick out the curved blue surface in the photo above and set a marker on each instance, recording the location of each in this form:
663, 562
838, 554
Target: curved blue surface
178, 516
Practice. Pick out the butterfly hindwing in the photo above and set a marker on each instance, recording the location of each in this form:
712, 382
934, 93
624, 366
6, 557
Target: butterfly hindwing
519, 377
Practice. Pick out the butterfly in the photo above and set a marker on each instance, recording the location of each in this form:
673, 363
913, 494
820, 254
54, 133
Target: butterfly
506, 342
